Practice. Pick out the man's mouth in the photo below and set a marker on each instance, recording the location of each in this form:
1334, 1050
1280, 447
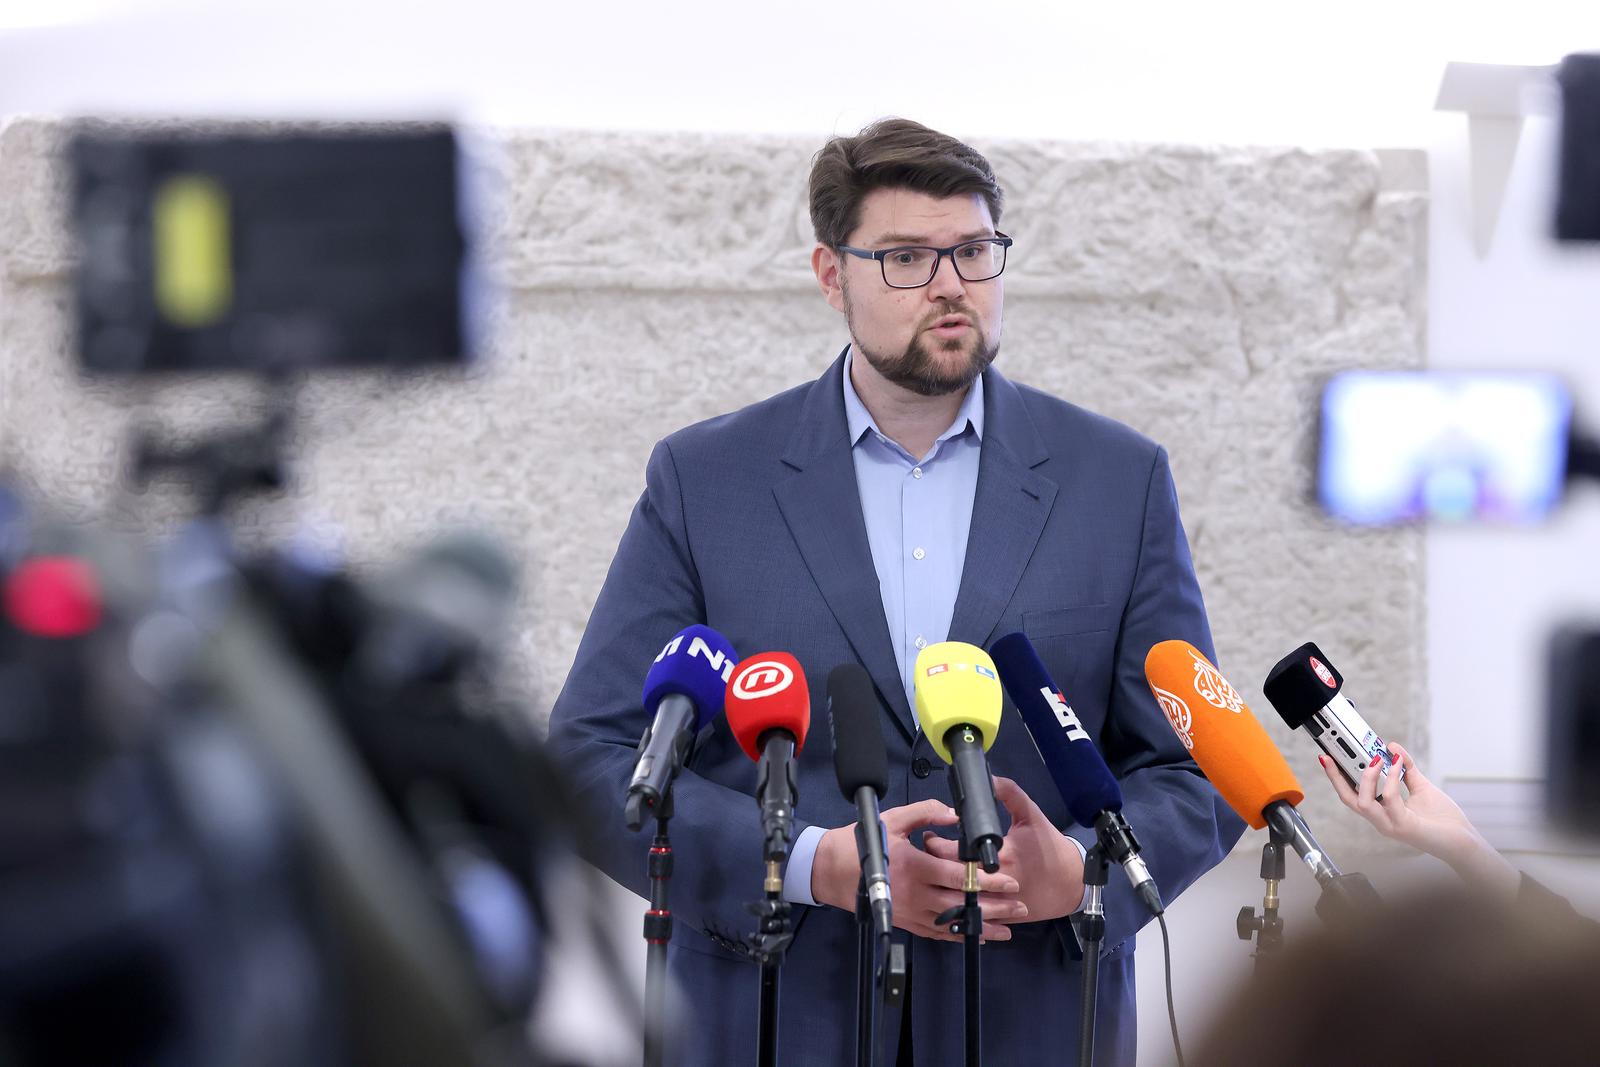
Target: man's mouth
951, 326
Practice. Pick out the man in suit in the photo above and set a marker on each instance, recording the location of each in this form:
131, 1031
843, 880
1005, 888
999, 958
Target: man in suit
910, 495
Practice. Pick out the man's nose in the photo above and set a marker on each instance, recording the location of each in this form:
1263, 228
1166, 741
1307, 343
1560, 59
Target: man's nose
946, 284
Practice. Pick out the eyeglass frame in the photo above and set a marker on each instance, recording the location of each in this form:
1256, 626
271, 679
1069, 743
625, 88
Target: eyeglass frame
939, 253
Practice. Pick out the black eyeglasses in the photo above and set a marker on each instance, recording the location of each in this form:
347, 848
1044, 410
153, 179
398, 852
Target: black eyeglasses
913, 266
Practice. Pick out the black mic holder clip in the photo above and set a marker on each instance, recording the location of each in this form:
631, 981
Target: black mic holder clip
1090, 921
772, 938
1266, 928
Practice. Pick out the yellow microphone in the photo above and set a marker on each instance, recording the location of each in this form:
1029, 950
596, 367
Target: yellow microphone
958, 699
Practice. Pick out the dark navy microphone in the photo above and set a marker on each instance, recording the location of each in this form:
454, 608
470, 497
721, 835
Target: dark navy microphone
1080, 772
684, 691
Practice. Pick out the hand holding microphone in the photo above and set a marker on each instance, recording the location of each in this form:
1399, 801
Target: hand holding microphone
1231, 747
1308, 692
1423, 816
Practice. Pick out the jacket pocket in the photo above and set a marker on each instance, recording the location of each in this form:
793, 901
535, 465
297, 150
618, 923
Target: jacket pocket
1064, 622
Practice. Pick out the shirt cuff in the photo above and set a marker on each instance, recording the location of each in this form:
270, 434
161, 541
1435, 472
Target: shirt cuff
1083, 854
797, 876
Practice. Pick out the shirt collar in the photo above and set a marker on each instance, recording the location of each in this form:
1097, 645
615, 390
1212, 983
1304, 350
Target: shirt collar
859, 420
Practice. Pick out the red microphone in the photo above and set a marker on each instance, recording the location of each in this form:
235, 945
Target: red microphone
769, 711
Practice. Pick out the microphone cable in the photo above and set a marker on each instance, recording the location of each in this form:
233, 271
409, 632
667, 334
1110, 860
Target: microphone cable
1172, 1014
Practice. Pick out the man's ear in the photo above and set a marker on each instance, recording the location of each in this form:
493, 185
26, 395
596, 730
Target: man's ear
825, 264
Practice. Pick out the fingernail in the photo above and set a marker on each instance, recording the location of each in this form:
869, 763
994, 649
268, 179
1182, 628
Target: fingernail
1322, 760
1375, 761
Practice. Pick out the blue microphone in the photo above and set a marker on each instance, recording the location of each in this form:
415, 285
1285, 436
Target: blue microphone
683, 691
1079, 771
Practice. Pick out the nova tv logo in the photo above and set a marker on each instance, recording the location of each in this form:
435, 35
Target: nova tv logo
763, 678
1064, 714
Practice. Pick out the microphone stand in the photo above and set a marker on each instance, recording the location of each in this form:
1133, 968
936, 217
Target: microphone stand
770, 944
1091, 927
777, 795
880, 963
657, 932
1345, 897
866, 991
1268, 927
966, 919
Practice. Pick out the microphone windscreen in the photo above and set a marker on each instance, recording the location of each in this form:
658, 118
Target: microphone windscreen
768, 692
1220, 731
697, 663
1079, 771
956, 685
859, 754
1301, 684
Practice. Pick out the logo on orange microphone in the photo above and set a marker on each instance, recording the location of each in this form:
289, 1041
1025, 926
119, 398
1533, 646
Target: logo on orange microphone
1324, 673
937, 668
1178, 715
762, 678
1214, 688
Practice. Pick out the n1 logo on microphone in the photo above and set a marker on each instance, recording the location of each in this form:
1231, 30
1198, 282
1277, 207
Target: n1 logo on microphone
1064, 714
763, 678
720, 662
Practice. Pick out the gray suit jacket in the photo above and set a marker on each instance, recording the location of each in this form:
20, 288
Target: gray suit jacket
751, 524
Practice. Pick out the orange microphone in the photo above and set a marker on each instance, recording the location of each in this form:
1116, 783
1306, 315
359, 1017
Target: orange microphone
1220, 732
1233, 749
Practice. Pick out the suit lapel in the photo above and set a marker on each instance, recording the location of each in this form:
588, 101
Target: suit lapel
1009, 512
822, 507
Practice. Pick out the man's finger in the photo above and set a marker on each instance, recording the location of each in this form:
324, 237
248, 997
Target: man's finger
1000, 908
941, 847
949, 872
1018, 803
908, 817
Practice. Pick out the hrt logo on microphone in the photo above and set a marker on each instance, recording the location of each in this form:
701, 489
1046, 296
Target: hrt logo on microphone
763, 678
720, 662
1064, 714
1323, 673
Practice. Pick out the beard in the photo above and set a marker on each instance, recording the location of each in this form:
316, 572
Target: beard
917, 366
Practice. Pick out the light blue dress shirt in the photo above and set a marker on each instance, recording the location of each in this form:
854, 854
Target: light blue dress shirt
918, 511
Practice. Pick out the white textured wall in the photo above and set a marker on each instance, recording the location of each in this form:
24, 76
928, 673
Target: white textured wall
649, 280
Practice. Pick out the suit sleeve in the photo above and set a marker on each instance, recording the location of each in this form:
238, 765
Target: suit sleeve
1183, 825
650, 593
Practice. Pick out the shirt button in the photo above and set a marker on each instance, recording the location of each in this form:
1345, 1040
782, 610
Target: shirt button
917, 553
916, 472
921, 767
921, 642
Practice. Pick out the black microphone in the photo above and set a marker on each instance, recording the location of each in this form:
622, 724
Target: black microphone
1080, 773
861, 763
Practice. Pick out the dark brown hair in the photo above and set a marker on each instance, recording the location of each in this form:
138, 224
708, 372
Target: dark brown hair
1438, 977
892, 154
